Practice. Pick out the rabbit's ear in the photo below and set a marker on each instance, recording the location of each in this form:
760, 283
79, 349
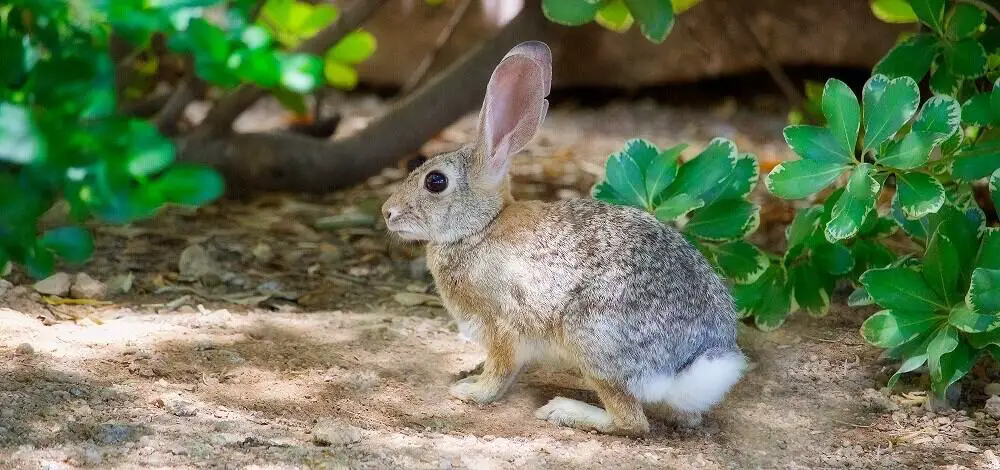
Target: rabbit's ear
514, 108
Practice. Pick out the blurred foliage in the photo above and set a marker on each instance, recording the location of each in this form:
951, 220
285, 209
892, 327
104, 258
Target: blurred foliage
655, 17
63, 135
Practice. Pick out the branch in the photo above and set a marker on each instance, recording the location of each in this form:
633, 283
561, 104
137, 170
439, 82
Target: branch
166, 120
221, 117
442, 39
288, 162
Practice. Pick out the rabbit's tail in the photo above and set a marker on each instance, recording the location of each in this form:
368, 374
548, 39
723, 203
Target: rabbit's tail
697, 387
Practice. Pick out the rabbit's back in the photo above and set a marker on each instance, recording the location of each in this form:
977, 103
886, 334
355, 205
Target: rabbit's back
611, 285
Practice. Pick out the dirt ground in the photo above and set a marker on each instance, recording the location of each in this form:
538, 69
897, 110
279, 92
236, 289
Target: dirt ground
266, 334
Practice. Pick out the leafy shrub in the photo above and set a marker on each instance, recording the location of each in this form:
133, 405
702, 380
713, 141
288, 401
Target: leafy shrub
887, 162
63, 134
705, 197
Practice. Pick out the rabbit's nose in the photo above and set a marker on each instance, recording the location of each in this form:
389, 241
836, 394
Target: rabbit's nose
389, 213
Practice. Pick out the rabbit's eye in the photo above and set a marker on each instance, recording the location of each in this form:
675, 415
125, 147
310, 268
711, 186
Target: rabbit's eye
436, 182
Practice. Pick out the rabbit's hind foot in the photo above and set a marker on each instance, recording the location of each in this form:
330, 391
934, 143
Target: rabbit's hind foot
623, 414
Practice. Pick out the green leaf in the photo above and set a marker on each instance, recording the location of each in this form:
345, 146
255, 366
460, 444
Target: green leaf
677, 206
740, 261
888, 105
259, 66
900, 288
939, 118
965, 319
624, 171
966, 58
817, 144
74, 244
340, 75
984, 291
615, 16
39, 263
799, 178
931, 13
803, 226
655, 18
20, 142
660, 170
949, 358
860, 298
989, 250
978, 160
854, 205
910, 58
149, 152
189, 185
943, 80
809, 290
978, 110
354, 48
724, 220
768, 298
893, 11
910, 364
680, 6
912, 151
835, 259
301, 73
738, 183
919, 194
892, 328
843, 114
706, 171
941, 268
570, 12
965, 20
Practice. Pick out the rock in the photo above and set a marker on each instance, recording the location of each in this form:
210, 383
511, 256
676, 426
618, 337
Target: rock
24, 349
992, 389
57, 284
949, 402
86, 287
195, 263
263, 253
5, 286
114, 433
331, 432
7, 413
177, 406
993, 407
120, 284
878, 401
418, 269
346, 220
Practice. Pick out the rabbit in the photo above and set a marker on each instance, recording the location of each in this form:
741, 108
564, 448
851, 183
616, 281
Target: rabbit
609, 289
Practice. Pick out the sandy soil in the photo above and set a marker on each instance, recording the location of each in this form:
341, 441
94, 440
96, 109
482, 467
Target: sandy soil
277, 344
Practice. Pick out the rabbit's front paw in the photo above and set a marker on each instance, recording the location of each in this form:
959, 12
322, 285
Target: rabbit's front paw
475, 389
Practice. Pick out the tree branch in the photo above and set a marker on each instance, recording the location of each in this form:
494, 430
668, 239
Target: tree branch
221, 117
166, 119
289, 162
442, 39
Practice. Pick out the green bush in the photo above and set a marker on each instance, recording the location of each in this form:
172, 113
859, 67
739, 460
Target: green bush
64, 136
939, 301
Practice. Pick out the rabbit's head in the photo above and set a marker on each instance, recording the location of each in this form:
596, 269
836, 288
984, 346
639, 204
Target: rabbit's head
456, 194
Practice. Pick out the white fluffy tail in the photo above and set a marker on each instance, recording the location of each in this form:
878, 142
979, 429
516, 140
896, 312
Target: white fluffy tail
698, 387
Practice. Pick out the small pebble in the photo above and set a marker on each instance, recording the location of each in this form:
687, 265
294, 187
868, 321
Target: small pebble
24, 349
331, 432
992, 389
993, 407
5, 286
57, 284
86, 287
